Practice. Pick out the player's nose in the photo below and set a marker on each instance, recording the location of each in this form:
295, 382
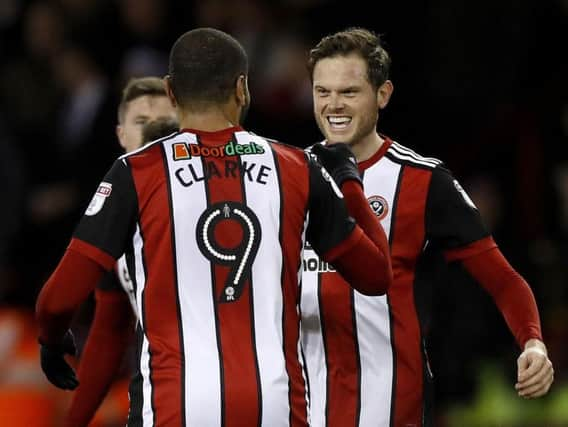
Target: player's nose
335, 102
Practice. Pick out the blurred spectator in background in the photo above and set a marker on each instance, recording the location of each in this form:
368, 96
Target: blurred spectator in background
70, 156
12, 175
145, 39
27, 93
28, 103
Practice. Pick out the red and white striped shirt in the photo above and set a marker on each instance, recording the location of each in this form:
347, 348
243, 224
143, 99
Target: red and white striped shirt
213, 225
365, 356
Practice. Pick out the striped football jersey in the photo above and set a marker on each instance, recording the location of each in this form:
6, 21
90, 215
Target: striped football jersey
365, 356
212, 225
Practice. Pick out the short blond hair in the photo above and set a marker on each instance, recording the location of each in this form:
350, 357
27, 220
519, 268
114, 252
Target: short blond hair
137, 87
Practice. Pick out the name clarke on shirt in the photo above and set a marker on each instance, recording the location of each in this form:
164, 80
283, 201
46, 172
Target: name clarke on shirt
187, 176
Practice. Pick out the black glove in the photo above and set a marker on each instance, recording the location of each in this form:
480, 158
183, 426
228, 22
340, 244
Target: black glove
339, 161
54, 366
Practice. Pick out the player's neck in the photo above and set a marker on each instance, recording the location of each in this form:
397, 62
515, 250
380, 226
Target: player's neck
210, 120
367, 147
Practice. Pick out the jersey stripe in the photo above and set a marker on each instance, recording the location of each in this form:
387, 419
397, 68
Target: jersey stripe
313, 344
407, 244
409, 157
174, 244
405, 150
146, 415
200, 339
373, 313
264, 197
294, 186
391, 317
340, 333
241, 387
299, 272
258, 265
160, 324
135, 390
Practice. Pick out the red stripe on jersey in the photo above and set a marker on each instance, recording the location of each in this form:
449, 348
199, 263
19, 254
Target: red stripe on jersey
294, 189
102, 258
160, 299
240, 384
341, 351
407, 243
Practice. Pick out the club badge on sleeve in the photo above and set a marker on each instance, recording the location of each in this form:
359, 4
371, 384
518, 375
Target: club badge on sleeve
99, 198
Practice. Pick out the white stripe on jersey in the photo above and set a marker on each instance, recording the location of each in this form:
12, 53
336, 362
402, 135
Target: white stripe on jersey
300, 349
202, 404
312, 343
264, 200
410, 151
147, 410
373, 319
409, 158
408, 154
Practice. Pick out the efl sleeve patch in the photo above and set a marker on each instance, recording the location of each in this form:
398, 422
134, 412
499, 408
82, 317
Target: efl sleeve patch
110, 218
98, 200
452, 219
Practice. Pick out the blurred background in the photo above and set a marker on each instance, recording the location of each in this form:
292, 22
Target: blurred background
481, 85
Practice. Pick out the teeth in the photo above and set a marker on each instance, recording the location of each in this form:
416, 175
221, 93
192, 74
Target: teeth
339, 122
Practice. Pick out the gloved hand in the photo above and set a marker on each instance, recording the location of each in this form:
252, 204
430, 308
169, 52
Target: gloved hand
54, 366
339, 161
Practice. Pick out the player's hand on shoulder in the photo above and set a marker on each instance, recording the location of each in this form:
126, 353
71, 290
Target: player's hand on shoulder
339, 161
535, 372
54, 365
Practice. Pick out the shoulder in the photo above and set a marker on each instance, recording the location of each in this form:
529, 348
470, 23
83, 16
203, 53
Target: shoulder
285, 152
399, 153
153, 148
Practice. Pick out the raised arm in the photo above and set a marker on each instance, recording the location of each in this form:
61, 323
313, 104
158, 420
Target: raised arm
362, 257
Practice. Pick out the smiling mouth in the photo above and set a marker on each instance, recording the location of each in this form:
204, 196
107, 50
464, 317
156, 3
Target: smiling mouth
339, 123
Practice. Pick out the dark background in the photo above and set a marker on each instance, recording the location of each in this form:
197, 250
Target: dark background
480, 85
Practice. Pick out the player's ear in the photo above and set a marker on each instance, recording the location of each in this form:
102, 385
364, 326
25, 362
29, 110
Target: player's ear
169, 91
241, 90
384, 93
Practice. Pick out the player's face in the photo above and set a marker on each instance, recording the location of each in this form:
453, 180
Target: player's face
346, 106
138, 112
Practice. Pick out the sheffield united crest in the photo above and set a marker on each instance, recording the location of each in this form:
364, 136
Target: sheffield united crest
379, 206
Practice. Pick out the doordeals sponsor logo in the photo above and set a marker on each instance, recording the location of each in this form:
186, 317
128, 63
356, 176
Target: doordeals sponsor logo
185, 151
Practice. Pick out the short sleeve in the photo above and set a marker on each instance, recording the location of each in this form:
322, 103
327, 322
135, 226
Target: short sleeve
329, 222
452, 219
109, 220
